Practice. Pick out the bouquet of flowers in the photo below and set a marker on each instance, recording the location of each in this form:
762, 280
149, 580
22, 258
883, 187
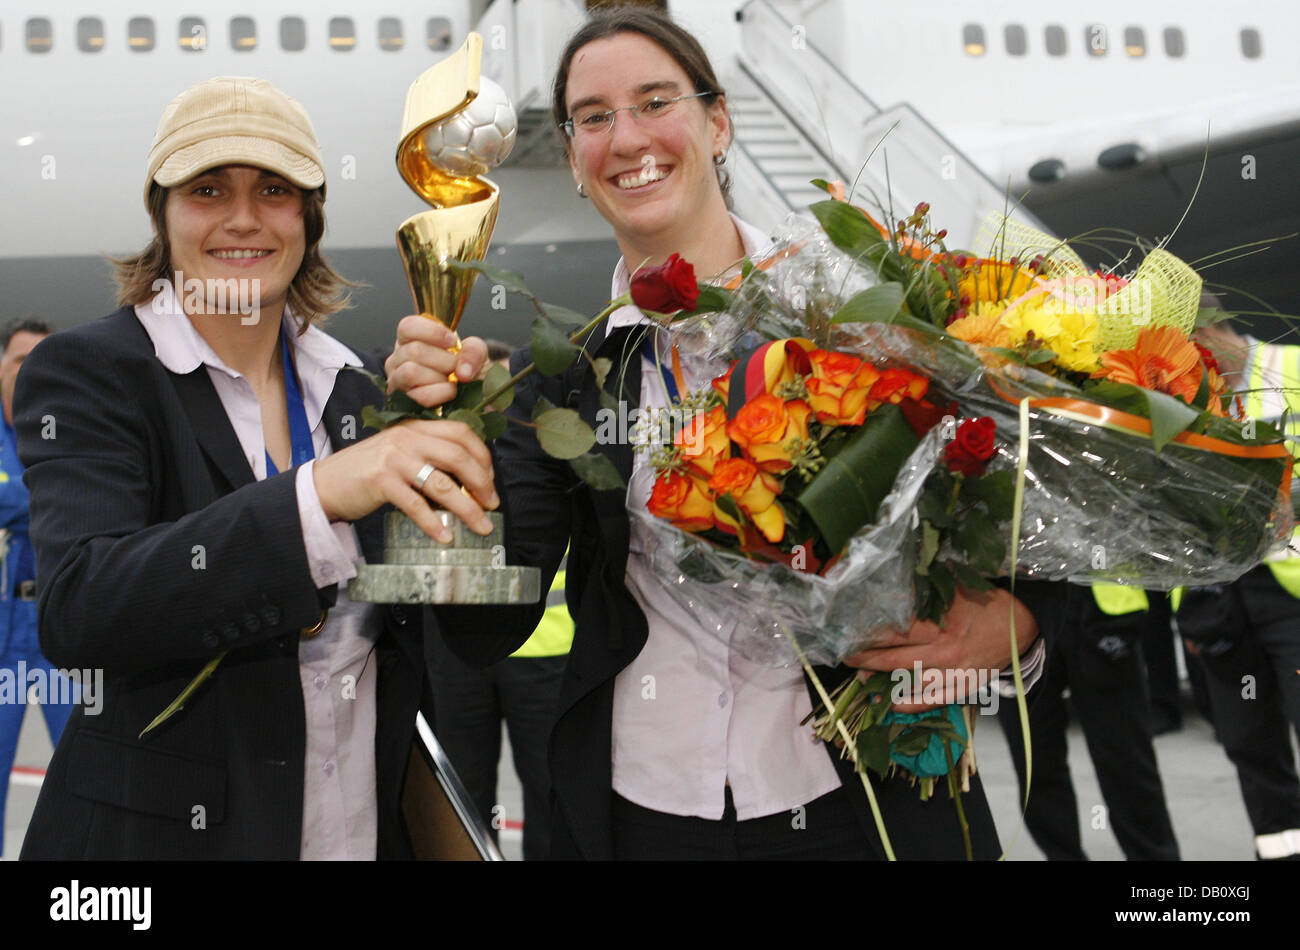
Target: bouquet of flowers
883, 410
887, 420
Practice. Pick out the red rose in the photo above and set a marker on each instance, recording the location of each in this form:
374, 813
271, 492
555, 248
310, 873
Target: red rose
667, 288
972, 447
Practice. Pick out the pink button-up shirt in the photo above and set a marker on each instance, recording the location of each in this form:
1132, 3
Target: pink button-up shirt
339, 812
690, 715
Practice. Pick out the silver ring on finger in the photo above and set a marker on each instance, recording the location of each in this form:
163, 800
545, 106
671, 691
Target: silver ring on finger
422, 476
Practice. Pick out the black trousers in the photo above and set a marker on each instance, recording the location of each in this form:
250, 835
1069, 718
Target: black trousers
828, 829
1255, 696
1097, 657
469, 705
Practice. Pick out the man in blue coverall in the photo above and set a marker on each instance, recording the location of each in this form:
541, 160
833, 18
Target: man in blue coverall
19, 648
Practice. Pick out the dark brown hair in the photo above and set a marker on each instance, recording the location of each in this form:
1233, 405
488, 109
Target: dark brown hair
664, 33
317, 290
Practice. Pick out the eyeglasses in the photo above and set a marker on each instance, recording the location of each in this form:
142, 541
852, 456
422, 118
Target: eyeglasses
596, 122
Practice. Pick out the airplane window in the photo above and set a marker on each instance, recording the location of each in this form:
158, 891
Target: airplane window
342, 33
1175, 45
1055, 37
439, 34
390, 33
1135, 41
1251, 47
40, 35
293, 34
1014, 35
192, 34
1094, 39
139, 34
972, 37
90, 34
243, 34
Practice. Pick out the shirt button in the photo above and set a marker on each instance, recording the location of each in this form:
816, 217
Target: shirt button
327, 574
320, 680
722, 700
328, 768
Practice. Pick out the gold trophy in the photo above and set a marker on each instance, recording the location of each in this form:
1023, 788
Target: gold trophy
457, 125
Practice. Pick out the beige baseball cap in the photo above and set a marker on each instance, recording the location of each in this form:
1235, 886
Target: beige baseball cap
234, 120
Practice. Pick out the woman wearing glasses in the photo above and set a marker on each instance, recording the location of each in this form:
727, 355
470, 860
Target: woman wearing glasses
666, 744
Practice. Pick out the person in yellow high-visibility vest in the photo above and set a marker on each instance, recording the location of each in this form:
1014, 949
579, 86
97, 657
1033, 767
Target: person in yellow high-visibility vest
1096, 656
1247, 634
470, 704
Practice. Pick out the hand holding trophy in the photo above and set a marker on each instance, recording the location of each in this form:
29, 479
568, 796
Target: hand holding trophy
456, 126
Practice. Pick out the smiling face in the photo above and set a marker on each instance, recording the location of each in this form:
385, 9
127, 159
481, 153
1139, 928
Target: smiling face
241, 223
649, 177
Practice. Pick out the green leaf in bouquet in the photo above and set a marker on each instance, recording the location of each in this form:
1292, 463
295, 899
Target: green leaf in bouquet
497, 376
847, 227
711, 300
929, 546
1040, 355
1169, 415
552, 352
401, 402
945, 587
562, 433
563, 316
470, 418
968, 577
380, 419
600, 368
997, 490
597, 471
913, 741
932, 506
821, 183
608, 402
873, 750
847, 492
468, 395
930, 604
979, 539
1202, 398
494, 425
879, 304
512, 281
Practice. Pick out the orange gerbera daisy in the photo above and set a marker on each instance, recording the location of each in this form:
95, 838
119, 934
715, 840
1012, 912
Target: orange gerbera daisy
1163, 359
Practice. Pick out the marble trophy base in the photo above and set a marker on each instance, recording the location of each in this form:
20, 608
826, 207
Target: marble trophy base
419, 570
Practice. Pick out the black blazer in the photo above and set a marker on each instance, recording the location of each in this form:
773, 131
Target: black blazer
157, 550
546, 508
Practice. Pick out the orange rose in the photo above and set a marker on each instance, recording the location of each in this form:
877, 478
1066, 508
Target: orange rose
754, 493
703, 441
837, 391
764, 427
895, 385
683, 500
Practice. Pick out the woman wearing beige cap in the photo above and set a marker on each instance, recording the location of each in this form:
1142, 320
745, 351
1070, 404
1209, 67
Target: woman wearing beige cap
199, 486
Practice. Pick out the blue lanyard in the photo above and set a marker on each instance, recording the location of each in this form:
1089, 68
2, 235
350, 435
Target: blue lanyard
651, 352
301, 448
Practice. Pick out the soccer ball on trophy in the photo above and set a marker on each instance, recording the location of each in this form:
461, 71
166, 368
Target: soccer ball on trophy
476, 139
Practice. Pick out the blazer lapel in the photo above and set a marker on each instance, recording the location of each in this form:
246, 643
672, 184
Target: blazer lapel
212, 428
